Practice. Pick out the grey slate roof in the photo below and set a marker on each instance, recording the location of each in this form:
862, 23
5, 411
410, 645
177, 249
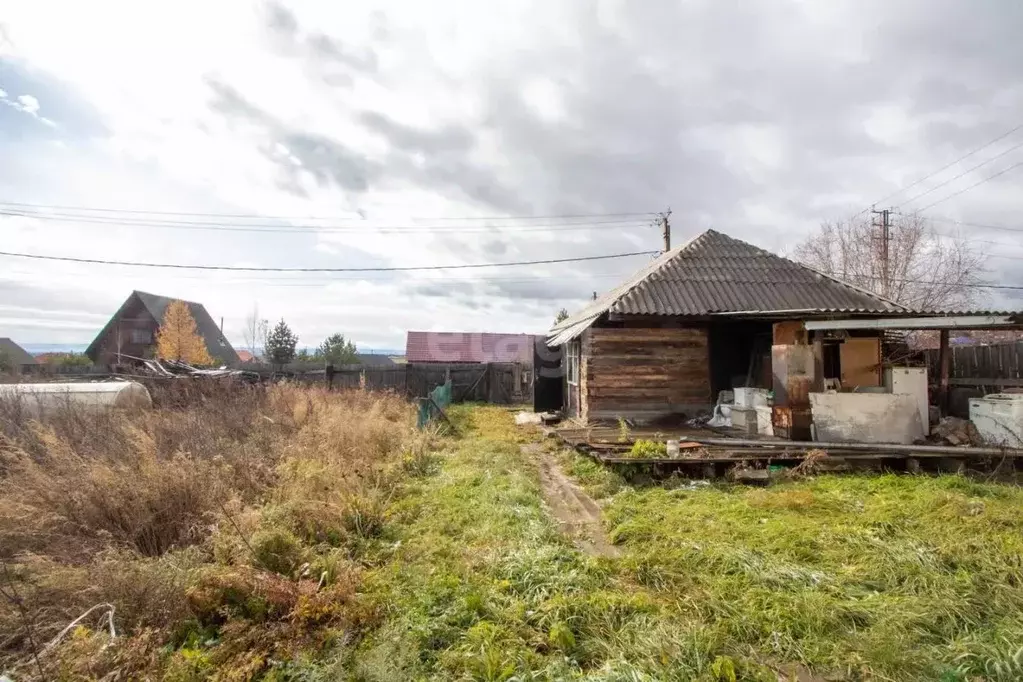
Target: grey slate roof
715, 273
15, 353
375, 360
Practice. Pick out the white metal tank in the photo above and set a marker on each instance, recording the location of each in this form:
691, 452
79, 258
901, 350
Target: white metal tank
999, 418
41, 398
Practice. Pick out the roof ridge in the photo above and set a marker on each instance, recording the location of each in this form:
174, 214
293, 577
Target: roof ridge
603, 303
837, 280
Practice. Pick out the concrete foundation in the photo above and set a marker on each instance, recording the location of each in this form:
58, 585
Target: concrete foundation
866, 417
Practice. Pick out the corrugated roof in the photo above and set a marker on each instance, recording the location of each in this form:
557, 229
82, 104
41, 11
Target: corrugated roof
469, 347
713, 274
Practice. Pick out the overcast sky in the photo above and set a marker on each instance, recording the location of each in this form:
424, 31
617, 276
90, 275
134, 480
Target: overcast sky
343, 134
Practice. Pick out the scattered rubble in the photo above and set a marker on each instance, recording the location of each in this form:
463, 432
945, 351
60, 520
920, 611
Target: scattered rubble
957, 432
175, 369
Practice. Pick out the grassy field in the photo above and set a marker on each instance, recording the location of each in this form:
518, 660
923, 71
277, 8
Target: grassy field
298, 535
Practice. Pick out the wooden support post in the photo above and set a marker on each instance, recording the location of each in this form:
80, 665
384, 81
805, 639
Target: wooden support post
943, 366
818, 363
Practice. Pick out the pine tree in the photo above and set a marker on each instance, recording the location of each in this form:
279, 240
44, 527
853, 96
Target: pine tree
336, 350
280, 344
178, 338
562, 315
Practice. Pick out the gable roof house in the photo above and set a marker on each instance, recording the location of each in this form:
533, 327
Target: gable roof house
131, 332
707, 316
17, 358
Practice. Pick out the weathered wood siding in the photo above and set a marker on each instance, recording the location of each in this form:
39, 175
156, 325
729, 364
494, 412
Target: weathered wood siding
642, 374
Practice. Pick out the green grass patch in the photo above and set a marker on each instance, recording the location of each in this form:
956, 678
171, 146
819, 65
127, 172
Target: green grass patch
484, 587
894, 576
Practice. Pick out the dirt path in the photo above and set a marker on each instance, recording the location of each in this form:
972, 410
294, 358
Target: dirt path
575, 511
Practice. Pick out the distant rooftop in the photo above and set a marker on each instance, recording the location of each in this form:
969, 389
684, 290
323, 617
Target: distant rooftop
469, 347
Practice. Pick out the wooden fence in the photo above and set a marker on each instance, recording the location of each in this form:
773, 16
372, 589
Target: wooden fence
995, 366
496, 383
975, 371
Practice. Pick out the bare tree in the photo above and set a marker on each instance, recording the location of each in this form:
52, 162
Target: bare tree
925, 270
255, 332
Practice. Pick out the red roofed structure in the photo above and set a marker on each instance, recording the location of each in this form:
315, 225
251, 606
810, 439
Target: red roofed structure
470, 347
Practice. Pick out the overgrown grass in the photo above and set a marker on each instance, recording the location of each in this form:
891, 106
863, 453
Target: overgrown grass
226, 530
297, 535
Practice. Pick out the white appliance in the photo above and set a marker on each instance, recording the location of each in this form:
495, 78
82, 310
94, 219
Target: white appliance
912, 381
999, 418
750, 397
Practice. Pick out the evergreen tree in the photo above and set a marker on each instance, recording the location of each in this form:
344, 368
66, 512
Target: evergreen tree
280, 344
336, 350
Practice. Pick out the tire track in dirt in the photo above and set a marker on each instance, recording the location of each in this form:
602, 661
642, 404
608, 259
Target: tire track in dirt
577, 514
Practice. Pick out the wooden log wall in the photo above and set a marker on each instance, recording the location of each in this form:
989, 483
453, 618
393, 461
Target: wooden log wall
643, 374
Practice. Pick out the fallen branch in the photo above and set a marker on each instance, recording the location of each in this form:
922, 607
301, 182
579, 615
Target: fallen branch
108, 615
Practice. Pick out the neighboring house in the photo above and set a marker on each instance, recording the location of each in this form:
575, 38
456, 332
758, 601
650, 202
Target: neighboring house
375, 360
17, 358
708, 316
246, 356
131, 332
470, 347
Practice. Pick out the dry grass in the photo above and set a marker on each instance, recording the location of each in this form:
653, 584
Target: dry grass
196, 520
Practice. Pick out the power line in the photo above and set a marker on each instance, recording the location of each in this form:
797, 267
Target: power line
93, 209
946, 219
240, 268
965, 172
968, 285
271, 228
943, 168
976, 184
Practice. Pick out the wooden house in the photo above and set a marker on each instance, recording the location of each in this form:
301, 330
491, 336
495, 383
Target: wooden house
710, 315
131, 332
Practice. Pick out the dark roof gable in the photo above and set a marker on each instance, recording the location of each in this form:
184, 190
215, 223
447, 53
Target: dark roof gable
16, 354
216, 343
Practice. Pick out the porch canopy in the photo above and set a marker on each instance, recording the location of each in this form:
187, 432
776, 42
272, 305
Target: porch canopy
934, 320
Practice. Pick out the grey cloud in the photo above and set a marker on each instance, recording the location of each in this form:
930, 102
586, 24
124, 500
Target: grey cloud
326, 58
656, 103
447, 140
326, 160
644, 98
495, 248
281, 20
30, 296
445, 160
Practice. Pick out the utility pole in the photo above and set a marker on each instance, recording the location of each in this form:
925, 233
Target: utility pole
666, 227
884, 226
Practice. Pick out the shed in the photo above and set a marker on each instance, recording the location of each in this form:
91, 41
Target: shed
710, 315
